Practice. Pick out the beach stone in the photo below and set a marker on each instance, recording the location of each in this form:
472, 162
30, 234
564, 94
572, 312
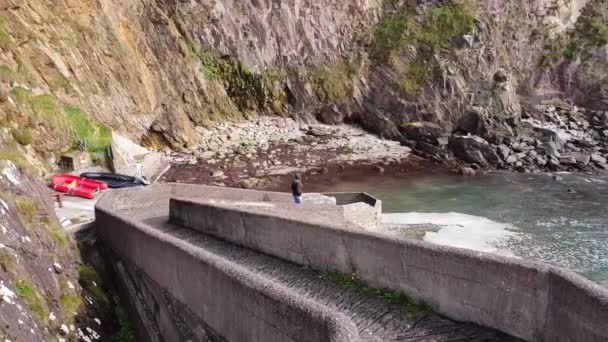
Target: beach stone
504, 151
581, 158
207, 155
598, 159
467, 171
551, 149
541, 161
567, 160
511, 159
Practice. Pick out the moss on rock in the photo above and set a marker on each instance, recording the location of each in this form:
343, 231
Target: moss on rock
33, 299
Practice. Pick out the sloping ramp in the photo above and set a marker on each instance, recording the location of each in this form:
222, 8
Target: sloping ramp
376, 318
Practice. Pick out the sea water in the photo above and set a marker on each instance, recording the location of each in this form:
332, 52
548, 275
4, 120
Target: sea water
529, 216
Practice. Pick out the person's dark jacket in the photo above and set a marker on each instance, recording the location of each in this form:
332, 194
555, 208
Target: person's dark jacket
296, 187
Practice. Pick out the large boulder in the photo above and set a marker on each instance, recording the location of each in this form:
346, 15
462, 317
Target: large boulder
473, 149
472, 122
428, 132
551, 135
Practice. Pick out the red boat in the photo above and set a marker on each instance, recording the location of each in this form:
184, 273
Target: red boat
77, 186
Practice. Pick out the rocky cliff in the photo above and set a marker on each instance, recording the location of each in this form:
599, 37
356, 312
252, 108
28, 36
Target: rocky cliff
158, 69
47, 292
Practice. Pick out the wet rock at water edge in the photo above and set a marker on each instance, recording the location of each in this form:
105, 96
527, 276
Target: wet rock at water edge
467, 171
598, 158
581, 158
473, 149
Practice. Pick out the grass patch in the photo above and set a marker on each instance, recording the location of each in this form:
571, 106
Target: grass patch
16, 158
87, 134
246, 89
352, 281
570, 51
71, 303
20, 95
58, 235
24, 136
32, 298
6, 262
439, 26
44, 105
28, 210
7, 74
88, 274
418, 74
125, 332
5, 37
447, 22
99, 294
332, 82
593, 29
91, 281
43, 109
389, 36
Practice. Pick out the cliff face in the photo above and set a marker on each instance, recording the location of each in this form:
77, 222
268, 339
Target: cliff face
46, 292
157, 69
136, 65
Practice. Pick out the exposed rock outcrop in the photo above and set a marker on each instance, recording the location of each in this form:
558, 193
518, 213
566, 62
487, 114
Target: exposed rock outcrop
158, 69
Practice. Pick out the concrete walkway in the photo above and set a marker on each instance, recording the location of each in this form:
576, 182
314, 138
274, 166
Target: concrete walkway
376, 318
76, 212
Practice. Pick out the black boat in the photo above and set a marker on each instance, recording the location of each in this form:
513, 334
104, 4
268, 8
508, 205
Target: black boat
115, 181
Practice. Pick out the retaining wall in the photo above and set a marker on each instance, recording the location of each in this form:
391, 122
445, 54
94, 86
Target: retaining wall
238, 304
533, 301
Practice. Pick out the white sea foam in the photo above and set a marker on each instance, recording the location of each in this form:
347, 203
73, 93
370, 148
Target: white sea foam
458, 230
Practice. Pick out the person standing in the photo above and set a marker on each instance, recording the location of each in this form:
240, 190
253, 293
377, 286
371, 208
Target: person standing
296, 189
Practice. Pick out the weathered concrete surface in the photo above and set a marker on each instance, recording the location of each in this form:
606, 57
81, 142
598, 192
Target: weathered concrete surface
238, 304
533, 301
193, 268
355, 212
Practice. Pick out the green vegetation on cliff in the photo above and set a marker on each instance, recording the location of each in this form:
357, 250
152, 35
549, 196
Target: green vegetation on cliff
590, 31
87, 134
333, 82
248, 90
15, 157
438, 27
33, 299
594, 29
7, 74
23, 136
5, 38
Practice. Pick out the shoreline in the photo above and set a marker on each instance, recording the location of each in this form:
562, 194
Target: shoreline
266, 152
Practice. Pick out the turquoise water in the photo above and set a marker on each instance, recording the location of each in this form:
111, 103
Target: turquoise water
542, 219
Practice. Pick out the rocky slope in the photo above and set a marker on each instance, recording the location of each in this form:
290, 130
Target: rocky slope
47, 293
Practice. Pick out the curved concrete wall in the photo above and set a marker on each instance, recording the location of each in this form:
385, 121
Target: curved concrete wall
533, 301
236, 303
